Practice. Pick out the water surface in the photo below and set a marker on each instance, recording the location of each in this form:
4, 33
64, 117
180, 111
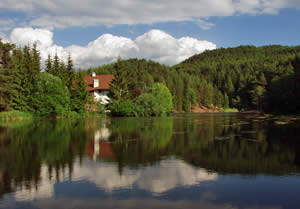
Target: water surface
186, 161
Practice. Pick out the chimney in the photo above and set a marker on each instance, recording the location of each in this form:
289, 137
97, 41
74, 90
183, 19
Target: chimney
93, 74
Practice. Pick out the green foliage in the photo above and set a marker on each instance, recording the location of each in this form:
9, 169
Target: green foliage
164, 100
246, 77
246, 74
145, 104
226, 101
50, 97
5, 75
15, 115
100, 108
78, 94
229, 110
190, 100
123, 108
5, 88
158, 102
24, 66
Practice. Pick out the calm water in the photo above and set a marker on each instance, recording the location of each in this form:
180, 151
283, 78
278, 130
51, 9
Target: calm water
187, 161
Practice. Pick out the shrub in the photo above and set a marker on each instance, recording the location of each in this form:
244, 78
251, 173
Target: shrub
123, 108
50, 97
158, 102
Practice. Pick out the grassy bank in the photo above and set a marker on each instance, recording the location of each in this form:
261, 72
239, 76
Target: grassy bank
15, 115
229, 110
82, 115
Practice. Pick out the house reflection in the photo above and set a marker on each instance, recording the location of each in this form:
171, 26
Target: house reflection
100, 147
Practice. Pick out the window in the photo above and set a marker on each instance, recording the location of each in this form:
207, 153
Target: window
96, 83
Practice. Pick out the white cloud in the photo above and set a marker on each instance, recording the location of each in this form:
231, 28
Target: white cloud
57, 13
162, 47
103, 50
155, 45
43, 38
24, 36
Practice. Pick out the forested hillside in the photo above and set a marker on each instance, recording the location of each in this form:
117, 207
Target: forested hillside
247, 77
265, 78
188, 90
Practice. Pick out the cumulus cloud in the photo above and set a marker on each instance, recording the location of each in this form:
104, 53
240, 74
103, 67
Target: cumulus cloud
57, 13
155, 45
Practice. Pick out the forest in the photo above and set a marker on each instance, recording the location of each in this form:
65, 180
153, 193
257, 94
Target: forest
265, 78
247, 77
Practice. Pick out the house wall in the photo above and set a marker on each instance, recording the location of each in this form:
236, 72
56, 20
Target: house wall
101, 95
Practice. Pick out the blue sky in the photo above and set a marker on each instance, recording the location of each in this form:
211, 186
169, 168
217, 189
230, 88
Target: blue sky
97, 32
258, 30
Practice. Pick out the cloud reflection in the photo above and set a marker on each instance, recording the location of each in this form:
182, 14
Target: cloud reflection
156, 179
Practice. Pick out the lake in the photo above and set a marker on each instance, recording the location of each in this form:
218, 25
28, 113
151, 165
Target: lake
186, 161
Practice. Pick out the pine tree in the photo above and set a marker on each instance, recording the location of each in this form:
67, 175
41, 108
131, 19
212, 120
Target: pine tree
5, 75
35, 60
48, 64
5, 88
226, 101
62, 73
55, 66
79, 94
70, 72
20, 94
119, 88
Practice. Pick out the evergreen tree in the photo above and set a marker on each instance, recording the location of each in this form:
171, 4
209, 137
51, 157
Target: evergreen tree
226, 101
35, 60
20, 93
5, 75
55, 66
5, 88
190, 99
48, 64
70, 72
79, 94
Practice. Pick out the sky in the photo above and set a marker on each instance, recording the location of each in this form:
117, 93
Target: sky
97, 32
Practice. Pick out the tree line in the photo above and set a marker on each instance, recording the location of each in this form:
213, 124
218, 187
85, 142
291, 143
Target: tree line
247, 77
58, 90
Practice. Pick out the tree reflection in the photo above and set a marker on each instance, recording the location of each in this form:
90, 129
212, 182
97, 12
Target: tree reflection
221, 143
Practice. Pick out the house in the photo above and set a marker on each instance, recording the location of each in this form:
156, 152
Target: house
98, 86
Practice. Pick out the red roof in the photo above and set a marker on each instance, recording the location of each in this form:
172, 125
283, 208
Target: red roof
104, 81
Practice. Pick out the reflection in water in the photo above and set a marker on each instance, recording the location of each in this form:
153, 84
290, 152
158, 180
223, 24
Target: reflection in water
150, 162
44, 190
157, 179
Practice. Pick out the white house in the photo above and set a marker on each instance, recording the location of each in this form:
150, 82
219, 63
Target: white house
98, 86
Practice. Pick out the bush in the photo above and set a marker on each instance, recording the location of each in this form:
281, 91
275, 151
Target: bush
123, 108
158, 102
50, 97
144, 104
